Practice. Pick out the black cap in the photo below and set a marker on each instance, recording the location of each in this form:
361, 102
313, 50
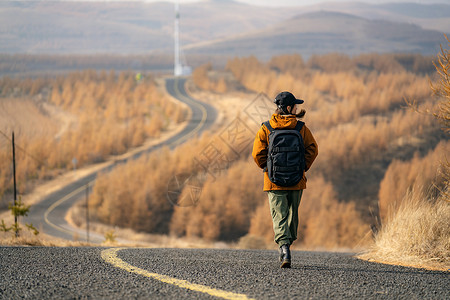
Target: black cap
284, 99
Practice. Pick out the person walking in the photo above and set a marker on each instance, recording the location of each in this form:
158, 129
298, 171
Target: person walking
285, 156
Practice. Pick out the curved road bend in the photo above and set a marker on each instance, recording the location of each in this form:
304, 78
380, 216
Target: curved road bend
48, 215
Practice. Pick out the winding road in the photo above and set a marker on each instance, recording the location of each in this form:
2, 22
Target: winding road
49, 214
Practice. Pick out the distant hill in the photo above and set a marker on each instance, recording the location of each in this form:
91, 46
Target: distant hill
427, 16
121, 27
324, 32
219, 27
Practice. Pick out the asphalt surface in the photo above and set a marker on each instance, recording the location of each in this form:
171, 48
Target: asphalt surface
74, 273
48, 215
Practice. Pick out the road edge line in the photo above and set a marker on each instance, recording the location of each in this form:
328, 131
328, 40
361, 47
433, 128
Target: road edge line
58, 203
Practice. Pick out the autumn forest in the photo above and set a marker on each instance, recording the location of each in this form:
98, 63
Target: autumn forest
366, 113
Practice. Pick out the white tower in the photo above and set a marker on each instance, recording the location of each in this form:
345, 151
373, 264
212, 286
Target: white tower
178, 68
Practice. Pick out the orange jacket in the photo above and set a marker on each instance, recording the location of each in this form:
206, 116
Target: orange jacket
260, 149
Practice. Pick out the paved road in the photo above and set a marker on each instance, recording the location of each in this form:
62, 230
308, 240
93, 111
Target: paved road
48, 215
101, 273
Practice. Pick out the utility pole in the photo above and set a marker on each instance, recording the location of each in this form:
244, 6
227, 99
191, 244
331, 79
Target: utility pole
87, 212
14, 175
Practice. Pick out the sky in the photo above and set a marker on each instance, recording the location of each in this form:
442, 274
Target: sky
311, 2
275, 2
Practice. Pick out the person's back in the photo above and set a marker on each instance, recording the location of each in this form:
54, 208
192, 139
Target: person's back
285, 200
286, 155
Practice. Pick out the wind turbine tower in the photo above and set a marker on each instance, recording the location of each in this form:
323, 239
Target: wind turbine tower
178, 68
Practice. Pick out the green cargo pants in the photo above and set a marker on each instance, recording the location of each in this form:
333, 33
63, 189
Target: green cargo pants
284, 209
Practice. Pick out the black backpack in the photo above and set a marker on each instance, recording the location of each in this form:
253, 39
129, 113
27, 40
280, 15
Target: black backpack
286, 155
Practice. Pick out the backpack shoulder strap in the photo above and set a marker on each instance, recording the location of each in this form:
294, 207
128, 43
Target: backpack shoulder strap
299, 125
267, 123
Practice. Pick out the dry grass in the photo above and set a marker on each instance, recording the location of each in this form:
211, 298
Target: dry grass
27, 117
418, 234
123, 238
86, 115
126, 237
41, 240
367, 132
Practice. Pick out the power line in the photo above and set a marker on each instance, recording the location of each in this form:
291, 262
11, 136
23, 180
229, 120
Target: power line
21, 149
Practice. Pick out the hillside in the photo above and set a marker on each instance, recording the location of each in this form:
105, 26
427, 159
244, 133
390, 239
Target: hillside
86, 115
120, 27
324, 32
432, 16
